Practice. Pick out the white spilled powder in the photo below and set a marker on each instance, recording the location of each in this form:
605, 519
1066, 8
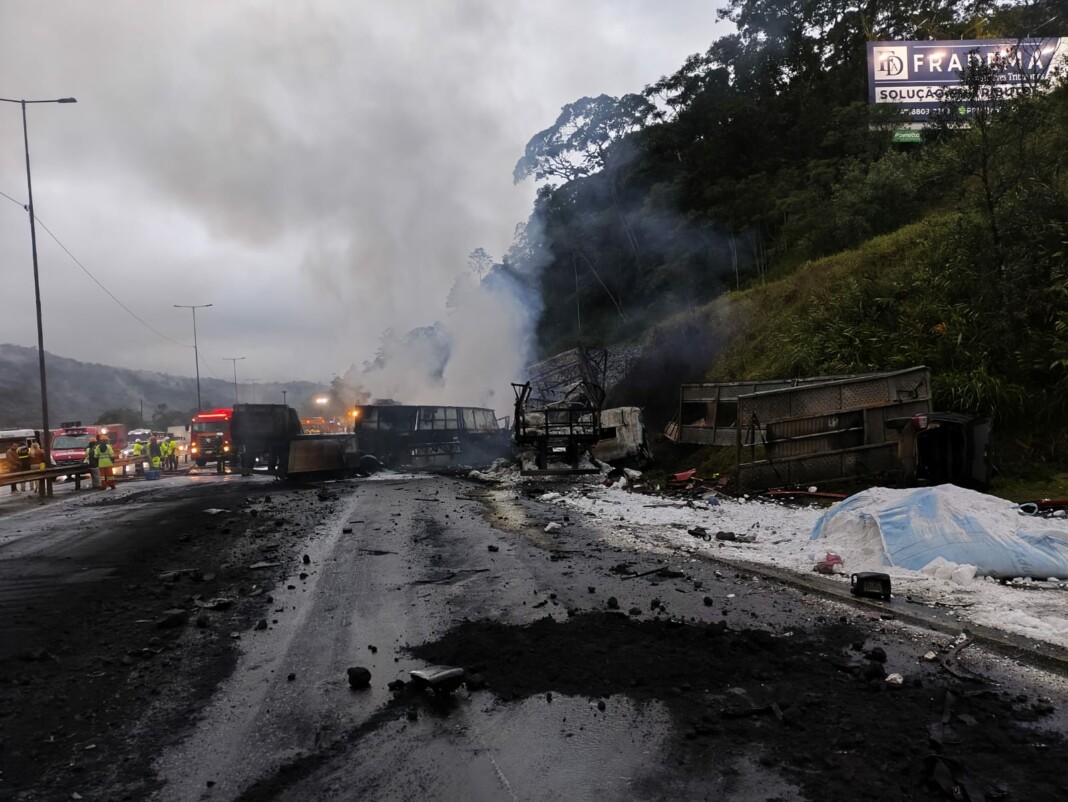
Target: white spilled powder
1034, 609
392, 476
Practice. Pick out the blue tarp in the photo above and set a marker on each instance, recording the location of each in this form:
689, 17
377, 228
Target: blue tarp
962, 526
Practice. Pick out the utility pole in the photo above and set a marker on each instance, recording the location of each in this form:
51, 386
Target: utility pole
47, 444
196, 352
235, 360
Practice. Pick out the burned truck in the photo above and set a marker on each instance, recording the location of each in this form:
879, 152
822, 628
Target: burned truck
558, 411
270, 436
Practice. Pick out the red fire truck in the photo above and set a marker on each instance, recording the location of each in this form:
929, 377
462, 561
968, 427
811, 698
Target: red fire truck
71, 439
209, 437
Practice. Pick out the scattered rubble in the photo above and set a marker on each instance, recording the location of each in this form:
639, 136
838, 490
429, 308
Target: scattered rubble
358, 676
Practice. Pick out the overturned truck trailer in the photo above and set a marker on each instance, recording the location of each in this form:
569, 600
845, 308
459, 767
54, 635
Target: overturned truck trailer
797, 432
271, 436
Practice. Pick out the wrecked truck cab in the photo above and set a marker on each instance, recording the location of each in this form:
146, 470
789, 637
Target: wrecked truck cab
943, 448
622, 438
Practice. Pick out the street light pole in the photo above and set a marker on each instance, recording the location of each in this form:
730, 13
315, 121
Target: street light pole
235, 360
254, 389
36, 279
283, 398
196, 353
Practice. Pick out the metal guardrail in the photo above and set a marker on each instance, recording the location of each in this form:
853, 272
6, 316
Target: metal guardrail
47, 476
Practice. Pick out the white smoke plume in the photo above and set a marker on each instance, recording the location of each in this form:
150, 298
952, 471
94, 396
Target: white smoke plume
482, 343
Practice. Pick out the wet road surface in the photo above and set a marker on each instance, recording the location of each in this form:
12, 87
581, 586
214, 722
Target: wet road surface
697, 682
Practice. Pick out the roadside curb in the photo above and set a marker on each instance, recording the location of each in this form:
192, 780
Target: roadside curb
1035, 653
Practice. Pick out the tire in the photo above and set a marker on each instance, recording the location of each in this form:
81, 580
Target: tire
201, 463
369, 465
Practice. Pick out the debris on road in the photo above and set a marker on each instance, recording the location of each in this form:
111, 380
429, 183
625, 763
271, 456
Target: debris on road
220, 603
831, 564
172, 619
439, 679
870, 584
359, 677
735, 537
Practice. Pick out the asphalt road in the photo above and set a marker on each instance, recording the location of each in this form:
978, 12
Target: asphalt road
121, 678
416, 562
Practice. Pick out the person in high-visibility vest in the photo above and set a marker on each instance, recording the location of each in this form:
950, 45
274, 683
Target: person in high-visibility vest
139, 451
37, 463
105, 460
172, 453
165, 454
155, 454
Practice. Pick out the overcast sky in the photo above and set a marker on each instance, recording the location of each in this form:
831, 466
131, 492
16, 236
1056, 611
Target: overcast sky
318, 170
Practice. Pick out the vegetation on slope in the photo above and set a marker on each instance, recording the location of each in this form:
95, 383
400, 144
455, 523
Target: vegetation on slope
750, 216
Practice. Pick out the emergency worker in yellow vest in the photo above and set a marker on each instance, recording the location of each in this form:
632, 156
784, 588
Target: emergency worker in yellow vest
165, 455
37, 463
172, 453
155, 454
105, 460
138, 452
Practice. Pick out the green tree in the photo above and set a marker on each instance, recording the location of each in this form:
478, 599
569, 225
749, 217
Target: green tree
577, 144
164, 416
129, 417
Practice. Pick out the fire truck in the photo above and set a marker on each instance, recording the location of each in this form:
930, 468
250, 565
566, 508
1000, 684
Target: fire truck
71, 439
209, 437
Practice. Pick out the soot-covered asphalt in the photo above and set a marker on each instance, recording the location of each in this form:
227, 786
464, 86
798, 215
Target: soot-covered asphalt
191, 639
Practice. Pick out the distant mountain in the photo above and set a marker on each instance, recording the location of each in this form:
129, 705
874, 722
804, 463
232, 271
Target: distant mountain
82, 390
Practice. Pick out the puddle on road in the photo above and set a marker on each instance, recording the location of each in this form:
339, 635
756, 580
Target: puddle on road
503, 512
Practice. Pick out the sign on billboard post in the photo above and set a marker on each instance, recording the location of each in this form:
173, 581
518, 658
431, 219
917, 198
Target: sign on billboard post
918, 77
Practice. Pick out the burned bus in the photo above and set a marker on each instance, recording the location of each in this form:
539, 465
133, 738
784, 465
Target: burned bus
430, 436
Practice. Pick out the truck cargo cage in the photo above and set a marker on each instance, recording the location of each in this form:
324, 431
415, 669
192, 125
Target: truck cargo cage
558, 411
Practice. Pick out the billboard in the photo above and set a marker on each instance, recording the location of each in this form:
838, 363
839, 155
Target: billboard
915, 75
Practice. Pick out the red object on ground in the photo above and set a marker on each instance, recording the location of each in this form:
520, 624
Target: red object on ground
685, 476
827, 564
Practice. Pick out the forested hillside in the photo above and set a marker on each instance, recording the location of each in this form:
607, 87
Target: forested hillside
750, 216
84, 391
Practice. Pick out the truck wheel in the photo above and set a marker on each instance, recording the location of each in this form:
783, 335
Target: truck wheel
369, 464
201, 463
